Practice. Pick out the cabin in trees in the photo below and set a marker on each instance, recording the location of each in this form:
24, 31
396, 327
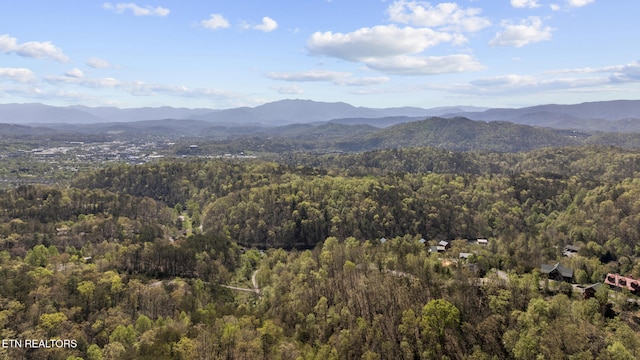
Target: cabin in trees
465, 255
623, 282
557, 272
590, 291
441, 247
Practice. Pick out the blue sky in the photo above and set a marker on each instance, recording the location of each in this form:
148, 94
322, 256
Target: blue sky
374, 53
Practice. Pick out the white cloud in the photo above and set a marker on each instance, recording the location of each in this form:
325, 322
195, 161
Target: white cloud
313, 75
393, 50
44, 95
399, 49
98, 63
362, 81
289, 90
513, 84
449, 16
32, 49
568, 4
142, 88
528, 31
268, 25
138, 88
335, 77
576, 80
425, 65
75, 73
55, 88
95, 83
505, 80
43, 92
378, 41
510, 84
625, 73
579, 3
136, 10
617, 74
20, 75
76, 77
525, 4
215, 21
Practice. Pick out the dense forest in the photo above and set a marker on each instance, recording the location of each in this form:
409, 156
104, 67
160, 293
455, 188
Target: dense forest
326, 257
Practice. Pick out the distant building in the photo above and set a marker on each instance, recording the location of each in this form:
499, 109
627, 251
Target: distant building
482, 241
570, 250
63, 230
445, 244
557, 272
623, 282
590, 291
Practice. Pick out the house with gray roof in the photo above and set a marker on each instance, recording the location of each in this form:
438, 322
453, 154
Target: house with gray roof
557, 272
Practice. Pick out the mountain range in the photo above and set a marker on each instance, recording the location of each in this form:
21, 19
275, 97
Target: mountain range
294, 125
277, 113
608, 116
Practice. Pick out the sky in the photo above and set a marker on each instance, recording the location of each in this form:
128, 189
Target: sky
373, 53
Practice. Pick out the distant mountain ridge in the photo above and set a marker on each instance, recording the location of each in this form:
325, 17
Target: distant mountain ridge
113, 114
271, 114
605, 110
614, 115
606, 116
307, 111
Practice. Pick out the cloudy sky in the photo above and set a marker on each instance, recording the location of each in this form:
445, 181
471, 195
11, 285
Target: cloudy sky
375, 53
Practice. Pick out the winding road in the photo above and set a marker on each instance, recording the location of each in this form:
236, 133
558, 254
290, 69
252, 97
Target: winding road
254, 283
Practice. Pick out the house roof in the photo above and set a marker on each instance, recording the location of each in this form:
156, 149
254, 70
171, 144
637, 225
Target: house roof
626, 282
572, 248
565, 272
594, 286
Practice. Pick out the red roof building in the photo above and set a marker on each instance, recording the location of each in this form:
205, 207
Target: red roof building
624, 282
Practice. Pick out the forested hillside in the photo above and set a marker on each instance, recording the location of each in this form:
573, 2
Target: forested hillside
134, 261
